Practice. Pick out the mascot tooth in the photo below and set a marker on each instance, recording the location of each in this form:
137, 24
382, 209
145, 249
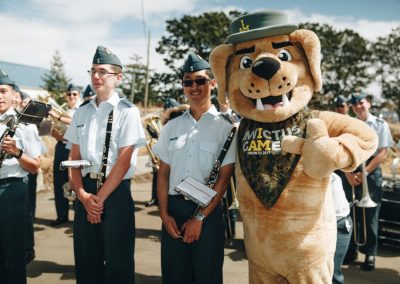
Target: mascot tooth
286, 152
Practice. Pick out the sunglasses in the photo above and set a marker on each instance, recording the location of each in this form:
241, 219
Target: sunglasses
72, 94
340, 106
199, 82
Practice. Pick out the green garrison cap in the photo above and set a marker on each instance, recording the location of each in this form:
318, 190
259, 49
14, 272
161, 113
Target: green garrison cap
104, 56
339, 100
194, 63
355, 98
5, 80
89, 92
259, 25
71, 87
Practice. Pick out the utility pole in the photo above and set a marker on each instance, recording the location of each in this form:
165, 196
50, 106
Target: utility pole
146, 92
132, 97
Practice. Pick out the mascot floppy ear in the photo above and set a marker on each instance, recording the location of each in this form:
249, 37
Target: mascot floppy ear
312, 48
218, 60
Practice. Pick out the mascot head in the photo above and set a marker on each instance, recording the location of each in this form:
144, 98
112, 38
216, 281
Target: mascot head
268, 68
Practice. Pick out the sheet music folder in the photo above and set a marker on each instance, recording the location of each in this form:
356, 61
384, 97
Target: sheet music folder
196, 191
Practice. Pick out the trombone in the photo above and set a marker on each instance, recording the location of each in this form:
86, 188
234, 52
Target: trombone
364, 202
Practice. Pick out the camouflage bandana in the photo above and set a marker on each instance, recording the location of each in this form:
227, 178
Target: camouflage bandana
266, 168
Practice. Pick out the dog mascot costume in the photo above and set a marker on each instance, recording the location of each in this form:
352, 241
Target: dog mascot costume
269, 70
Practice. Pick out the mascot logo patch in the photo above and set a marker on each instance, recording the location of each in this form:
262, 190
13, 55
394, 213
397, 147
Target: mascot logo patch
244, 27
262, 141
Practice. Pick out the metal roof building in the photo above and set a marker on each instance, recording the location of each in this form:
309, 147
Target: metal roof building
28, 78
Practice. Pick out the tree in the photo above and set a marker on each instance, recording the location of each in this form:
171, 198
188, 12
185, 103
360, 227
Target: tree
199, 34
345, 62
386, 58
134, 81
56, 82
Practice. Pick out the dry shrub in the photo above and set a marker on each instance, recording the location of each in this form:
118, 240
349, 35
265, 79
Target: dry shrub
47, 161
393, 152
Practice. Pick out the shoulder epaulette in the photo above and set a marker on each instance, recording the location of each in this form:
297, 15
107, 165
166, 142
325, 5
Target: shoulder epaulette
84, 103
125, 101
227, 118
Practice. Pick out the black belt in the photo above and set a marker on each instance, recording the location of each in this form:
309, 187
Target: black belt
10, 179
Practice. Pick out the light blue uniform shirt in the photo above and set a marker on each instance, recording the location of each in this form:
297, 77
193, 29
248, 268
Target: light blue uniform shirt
88, 130
191, 147
382, 130
27, 139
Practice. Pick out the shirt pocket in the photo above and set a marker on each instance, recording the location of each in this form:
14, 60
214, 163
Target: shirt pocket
176, 145
207, 154
83, 133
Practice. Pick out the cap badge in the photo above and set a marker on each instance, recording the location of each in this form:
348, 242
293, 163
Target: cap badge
107, 50
244, 27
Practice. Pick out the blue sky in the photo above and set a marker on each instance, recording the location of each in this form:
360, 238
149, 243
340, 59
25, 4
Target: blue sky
33, 29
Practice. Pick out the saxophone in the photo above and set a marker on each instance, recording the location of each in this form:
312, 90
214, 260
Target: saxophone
11, 122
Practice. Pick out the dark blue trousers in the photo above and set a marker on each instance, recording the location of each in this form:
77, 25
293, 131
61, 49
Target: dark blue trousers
60, 177
104, 252
30, 216
199, 262
344, 230
13, 212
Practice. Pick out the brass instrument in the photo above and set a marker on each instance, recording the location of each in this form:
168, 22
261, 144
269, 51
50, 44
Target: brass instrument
235, 202
68, 192
153, 129
11, 122
364, 202
51, 123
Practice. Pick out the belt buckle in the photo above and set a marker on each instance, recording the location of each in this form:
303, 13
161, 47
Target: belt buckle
93, 175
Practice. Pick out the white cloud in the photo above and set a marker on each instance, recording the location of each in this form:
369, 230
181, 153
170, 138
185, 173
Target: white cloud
94, 10
366, 28
75, 28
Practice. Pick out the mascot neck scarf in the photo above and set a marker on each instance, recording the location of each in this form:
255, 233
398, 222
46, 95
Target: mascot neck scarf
266, 168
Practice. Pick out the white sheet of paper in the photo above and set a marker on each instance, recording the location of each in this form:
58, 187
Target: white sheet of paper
75, 164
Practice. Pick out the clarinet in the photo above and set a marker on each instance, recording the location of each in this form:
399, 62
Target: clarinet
212, 178
11, 123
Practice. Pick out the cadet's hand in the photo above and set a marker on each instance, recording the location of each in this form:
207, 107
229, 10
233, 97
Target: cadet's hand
91, 203
192, 230
9, 145
354, 179
171, 227
96, 219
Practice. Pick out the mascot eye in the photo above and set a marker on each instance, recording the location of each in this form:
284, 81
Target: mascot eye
284, 55
245, 62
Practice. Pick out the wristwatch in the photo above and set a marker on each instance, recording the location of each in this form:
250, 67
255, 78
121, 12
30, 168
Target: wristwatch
199, 216
19, 154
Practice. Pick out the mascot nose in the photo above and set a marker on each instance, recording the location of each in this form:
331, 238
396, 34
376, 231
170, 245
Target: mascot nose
266, 67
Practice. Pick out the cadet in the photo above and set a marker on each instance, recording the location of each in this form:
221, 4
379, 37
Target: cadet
192, 245
341, 105
361, 105
107, 131
24, 145
60, 177
88, 93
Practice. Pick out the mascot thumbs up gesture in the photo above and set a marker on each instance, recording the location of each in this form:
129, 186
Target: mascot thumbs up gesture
269, 70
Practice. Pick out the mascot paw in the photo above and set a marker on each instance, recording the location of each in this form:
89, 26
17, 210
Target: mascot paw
318, 152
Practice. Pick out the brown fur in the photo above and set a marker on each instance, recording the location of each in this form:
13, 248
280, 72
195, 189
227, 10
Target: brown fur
295, 240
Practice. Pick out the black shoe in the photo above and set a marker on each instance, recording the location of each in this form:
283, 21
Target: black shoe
350, 258
29, 256
58, 222
369, 263
151, 202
